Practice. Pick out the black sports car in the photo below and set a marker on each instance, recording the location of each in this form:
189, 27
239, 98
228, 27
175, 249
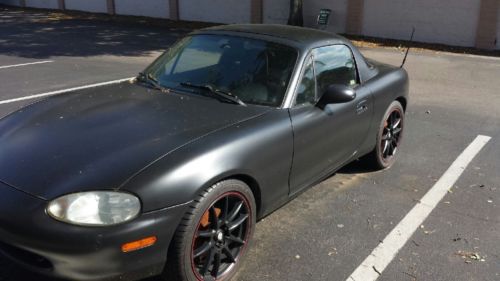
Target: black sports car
168, 173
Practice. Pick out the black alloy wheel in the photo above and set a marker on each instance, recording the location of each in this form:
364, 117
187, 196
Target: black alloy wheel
391, 134
221, 236
389, 137
214, 236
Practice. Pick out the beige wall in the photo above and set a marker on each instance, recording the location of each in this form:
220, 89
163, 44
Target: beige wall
220, 11
51, 4
96, 6
498, 26
276, 11
10, 2
154, 8
446, 21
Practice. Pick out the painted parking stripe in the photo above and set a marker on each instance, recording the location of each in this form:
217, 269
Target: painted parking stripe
24, 64
384, 253
65, 91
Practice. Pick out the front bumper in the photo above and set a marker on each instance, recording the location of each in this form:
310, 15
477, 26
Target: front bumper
36, 241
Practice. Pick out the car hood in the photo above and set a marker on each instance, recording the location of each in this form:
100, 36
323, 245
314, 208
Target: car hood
98, 138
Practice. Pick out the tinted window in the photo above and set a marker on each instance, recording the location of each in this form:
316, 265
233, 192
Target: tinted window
334, 65
256, 71
193, 57
306, 92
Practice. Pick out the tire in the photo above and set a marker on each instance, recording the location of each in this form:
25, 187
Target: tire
214, 229
389, 137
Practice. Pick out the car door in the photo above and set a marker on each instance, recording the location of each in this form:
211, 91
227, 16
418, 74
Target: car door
325, 138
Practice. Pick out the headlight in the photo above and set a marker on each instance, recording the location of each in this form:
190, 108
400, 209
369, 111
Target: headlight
96, 208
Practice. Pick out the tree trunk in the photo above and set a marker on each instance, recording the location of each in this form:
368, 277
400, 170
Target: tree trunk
296, 18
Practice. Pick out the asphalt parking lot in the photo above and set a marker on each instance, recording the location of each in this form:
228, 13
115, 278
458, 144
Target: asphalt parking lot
329, 230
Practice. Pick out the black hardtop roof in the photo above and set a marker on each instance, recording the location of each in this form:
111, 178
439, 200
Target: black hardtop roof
303, 39
296, 36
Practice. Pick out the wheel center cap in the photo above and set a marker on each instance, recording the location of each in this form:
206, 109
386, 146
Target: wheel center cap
220, 236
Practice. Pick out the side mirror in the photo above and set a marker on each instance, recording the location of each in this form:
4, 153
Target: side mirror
337, 94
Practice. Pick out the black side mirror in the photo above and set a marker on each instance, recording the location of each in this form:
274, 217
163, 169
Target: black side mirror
337, 94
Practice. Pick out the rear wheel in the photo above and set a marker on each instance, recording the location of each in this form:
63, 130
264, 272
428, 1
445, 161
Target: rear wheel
389, 136
214, 235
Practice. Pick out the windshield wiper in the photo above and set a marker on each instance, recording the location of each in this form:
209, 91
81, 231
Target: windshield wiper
149, 79
214, 91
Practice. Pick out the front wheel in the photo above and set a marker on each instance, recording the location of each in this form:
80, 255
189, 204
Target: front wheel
214, 235
389, 136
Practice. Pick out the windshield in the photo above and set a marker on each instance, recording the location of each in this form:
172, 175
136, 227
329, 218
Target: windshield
255, 71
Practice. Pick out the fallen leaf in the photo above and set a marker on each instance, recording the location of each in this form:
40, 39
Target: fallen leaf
470, 256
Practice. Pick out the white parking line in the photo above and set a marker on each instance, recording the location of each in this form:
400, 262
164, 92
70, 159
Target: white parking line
23, 64
384, 253
65, 90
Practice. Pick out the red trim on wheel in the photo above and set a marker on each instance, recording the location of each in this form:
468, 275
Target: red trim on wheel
243, 248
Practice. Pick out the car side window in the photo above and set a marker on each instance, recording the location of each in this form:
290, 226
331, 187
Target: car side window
334, 65
306, 91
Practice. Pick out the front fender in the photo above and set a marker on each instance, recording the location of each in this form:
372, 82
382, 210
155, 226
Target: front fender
260, 148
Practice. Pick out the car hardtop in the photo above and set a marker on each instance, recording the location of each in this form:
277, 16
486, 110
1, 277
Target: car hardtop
298, 37
301, 38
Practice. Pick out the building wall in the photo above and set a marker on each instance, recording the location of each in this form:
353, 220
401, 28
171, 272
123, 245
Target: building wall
154, 8
452, 22
50, 4
219, 11
96, 6
337, 22
275, 11
498, 27
449, 22
10, 2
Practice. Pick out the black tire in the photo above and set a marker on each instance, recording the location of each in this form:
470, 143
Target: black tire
388, 139
199, 230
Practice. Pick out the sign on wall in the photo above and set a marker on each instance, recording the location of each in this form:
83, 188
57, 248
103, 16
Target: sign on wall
323, 18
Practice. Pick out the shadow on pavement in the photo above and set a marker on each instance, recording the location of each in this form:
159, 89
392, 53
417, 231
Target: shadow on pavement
43, 34
360, 166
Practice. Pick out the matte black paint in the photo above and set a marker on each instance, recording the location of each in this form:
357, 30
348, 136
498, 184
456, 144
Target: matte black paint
325, 138
166, 147
82, 253
97, 138
260, 148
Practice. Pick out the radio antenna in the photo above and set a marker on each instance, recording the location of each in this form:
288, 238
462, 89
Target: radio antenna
409, 46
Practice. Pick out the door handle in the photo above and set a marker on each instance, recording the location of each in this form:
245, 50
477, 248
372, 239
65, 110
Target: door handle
361, 107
